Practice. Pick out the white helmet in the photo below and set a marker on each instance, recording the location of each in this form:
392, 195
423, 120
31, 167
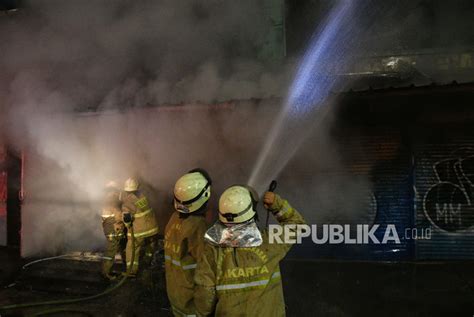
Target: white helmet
237, 204
111, 185
192, 191
131, 185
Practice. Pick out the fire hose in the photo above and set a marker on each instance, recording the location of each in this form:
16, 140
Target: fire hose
77, 300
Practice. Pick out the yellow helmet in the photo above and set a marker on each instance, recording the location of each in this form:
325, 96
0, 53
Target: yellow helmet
192, 191
237, 204
131, 185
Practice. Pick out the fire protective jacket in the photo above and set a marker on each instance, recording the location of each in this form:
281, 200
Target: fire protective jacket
184, 245
244, 281
144, 221
112, 216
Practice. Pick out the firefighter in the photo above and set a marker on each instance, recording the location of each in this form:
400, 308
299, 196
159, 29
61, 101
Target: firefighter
138, 214
184, 239
114, 228
239, 273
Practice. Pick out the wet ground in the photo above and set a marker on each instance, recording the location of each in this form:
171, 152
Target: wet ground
321, 288
78, 276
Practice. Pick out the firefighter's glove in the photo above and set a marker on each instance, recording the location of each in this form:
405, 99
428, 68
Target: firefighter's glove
118, 227
127, 219
272, 202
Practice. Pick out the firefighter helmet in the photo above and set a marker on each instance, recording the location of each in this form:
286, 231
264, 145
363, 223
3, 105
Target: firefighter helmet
111, 185
192, 191
238, 204
131, 185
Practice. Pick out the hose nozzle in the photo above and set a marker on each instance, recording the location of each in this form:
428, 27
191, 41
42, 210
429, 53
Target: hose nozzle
272, 186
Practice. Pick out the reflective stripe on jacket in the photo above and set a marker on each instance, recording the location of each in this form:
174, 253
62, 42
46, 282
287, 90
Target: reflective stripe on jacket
112, 215
244, 281
184, 244
144, 220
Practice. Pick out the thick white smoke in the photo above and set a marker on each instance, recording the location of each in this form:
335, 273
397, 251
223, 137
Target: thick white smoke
75, 155
62, 56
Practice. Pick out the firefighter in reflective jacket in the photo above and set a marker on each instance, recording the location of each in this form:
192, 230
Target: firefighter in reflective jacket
184, 239
239, 273
114, 229
138, 213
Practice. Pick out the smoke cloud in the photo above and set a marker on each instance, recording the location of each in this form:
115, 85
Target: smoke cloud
75, 155
62, 58
126, 54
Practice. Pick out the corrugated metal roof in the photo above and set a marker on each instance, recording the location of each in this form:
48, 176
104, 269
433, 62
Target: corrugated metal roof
424, 68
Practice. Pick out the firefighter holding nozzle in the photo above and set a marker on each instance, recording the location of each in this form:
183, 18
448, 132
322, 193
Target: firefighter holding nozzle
114, 229
239, 272
138, 213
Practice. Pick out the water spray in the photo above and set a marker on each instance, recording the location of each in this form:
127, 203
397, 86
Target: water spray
330, 50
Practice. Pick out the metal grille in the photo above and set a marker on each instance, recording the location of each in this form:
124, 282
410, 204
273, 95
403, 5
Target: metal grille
444, 182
